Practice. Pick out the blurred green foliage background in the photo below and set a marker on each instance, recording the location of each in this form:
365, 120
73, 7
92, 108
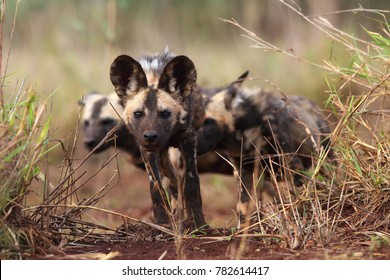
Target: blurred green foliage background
66, 47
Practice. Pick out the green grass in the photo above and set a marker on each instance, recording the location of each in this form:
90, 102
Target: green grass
24, 144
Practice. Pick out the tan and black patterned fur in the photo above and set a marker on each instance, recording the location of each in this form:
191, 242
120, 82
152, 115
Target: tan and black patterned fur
163, 109
252, 125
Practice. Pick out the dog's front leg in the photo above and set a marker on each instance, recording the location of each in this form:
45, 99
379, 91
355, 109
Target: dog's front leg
159, 199
192, 195
169, 179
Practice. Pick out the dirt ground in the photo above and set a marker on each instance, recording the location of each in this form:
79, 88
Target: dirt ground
224, 250
209, 248
130, 196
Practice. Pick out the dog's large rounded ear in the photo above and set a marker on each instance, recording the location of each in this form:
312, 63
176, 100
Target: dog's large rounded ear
241, 79
127, 76
232, 89
178, 77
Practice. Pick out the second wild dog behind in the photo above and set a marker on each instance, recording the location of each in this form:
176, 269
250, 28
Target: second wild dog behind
163, 109
101, 115
257, 128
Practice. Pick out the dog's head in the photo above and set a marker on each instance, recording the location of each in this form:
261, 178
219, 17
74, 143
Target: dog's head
98, 118
219, 119
154, 94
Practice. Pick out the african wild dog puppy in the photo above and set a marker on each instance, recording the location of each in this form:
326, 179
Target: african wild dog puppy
252, 124
102, 114
163, 109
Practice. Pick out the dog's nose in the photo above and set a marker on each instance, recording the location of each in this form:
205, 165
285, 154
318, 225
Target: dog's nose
150, 136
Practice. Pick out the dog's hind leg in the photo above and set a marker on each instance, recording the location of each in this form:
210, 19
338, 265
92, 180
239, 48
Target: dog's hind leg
296, 165
245, 178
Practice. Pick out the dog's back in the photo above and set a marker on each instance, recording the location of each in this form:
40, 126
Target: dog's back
293, 125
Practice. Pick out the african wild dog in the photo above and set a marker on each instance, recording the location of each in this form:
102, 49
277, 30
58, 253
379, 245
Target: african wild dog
256, 127
163, 109
100, 116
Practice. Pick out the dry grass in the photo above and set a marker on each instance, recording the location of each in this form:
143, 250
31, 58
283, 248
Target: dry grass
350, 198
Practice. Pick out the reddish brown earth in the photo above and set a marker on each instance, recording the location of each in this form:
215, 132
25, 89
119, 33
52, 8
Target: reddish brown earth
208, 249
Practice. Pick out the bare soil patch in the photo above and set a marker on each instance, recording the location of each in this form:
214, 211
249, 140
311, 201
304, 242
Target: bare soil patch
208, 248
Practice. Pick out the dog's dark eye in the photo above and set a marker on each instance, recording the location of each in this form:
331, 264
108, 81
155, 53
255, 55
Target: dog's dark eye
86, 123
107, 122
138, 114
208, 121
165, 114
